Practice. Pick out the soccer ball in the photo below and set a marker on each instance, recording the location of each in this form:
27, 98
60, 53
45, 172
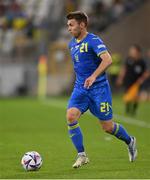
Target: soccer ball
31, 161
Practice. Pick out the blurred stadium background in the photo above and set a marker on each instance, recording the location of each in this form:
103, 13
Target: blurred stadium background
33, 30
35, 62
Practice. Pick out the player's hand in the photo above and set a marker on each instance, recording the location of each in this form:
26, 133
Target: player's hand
89, 81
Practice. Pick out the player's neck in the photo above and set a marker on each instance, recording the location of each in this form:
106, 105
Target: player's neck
82, 36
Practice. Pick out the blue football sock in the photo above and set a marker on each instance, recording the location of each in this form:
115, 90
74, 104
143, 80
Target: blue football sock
120, 132
76, 136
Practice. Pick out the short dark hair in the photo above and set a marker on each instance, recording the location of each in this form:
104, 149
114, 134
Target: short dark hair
79, 16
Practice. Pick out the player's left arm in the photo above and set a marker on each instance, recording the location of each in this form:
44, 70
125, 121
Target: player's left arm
105, 63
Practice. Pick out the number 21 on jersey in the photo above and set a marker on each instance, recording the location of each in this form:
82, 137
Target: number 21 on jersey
84, 47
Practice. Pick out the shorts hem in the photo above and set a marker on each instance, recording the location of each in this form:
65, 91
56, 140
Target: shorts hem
101, 119
77, 108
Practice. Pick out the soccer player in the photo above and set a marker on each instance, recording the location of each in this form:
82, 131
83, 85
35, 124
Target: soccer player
132, 76
91, 90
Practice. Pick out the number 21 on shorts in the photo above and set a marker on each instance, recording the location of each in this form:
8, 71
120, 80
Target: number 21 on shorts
104, 107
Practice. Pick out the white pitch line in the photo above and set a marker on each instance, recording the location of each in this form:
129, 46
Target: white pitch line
62, 104
133, 121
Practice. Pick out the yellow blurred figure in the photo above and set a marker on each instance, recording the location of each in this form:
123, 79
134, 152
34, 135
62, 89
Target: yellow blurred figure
42, 76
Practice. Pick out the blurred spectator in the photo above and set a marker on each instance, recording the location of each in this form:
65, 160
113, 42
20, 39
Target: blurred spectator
98, 16
129, 5
2, 9
14, 11
7, 38
117, 10
132, 5
15, 26
105, 12
30, 28
132, 76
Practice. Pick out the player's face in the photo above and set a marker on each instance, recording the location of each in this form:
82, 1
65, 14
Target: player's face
74, 28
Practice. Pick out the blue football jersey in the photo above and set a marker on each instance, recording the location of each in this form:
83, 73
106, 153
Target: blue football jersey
86, 57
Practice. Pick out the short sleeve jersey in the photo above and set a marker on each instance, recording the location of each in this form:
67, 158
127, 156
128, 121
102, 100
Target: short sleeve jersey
86, 57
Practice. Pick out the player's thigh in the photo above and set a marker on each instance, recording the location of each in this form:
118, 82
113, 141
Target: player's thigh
79, 100
101, 103
73, 114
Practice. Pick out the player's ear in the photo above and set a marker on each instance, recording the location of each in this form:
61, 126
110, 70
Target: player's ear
82, 25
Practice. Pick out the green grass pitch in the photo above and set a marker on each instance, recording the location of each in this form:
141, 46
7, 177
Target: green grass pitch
30, 124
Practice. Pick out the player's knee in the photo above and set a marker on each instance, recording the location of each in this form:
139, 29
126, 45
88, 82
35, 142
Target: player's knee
72, 116
108, 128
